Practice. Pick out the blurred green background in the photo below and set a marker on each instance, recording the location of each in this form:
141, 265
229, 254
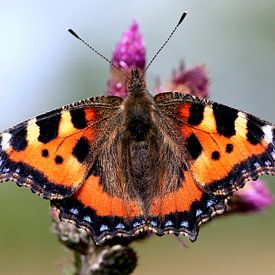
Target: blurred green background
43, 67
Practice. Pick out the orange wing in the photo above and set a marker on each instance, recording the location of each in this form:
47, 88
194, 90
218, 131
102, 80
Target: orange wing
223, 147
103, 215
106, 216
182, 211
51, 154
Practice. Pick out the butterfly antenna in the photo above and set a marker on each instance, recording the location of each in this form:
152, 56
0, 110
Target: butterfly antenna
163, 45
98, 53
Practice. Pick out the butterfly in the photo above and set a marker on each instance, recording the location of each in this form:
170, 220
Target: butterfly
118, 167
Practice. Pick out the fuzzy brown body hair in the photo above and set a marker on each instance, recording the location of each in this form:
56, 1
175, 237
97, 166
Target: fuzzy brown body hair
138, 159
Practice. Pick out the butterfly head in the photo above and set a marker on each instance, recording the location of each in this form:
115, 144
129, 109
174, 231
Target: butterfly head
136, 83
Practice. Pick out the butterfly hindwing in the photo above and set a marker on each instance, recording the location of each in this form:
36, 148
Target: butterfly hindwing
106, 216
223, 147
52, 153
183, 210
103, 215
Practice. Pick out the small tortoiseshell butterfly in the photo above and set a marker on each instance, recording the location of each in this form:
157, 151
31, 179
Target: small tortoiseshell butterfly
118, 167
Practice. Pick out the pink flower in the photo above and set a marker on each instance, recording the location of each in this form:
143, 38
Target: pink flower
128, 54
130, 51
254, 197
194, 81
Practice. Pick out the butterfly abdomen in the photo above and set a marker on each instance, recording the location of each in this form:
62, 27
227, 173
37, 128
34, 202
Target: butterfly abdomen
142, 168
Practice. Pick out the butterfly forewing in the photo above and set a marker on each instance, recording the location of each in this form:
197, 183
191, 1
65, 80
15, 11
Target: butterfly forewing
223, 147
52, 153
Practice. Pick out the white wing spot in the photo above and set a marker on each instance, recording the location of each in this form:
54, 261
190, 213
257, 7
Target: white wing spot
184, 224
87, 219
210, 203
74, 211
120, 226
103, 227
168, 223
17, 170
198, 212
268, 132
136, 224
5, 144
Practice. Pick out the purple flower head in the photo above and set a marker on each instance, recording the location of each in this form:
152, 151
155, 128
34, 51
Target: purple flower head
254, 197
130, 51
128, 54
194, 81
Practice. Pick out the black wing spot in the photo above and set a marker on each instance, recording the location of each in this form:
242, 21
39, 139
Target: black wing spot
81, 149
254, 132
58, 160
215, 155
48, 126
45, 153
229, 148
78, 118
19, 139
195, 114
225, 119
193, 146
